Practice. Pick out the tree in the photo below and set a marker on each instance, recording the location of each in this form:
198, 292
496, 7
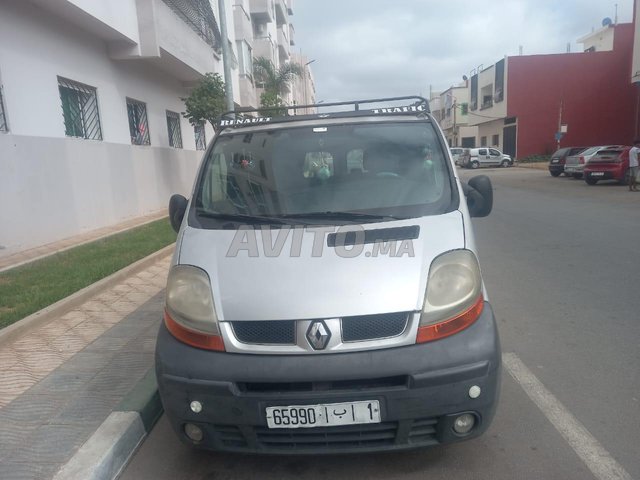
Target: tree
206, 101
274, 81
272, 105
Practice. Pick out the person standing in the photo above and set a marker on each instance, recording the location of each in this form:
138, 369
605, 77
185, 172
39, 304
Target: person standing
633, 165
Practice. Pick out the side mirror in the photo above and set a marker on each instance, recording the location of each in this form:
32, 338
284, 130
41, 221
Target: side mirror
177, 208
479, 193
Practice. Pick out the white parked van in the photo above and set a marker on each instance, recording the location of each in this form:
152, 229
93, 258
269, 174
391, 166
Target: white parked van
484, 157
325, 294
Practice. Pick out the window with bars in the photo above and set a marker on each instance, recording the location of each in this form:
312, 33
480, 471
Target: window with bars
80, 109
201, 138
4, 126
173, 128
138, 123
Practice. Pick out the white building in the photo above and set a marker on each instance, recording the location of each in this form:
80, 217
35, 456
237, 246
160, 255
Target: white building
454, 117
91, 124
304, 87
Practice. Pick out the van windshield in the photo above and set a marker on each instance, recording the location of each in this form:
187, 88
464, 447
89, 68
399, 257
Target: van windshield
370, 172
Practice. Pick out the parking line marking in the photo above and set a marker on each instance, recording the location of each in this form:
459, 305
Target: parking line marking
591, 452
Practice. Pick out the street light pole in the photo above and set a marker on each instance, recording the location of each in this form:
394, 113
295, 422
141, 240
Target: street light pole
304, 81
226, 55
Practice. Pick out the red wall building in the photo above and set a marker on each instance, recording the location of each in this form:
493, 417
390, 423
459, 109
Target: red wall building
593, 89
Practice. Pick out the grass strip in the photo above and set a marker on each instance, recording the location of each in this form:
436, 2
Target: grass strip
36, 285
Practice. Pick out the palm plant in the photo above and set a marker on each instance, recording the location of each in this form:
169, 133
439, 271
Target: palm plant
275, 81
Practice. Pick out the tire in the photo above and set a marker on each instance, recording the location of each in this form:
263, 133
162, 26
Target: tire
590, 181
577, 175
505, 164
555, 173
475, 165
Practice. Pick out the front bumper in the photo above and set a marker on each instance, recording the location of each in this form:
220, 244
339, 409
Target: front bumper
421, 388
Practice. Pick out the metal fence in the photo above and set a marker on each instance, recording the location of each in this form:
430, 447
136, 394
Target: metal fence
80, 109
199, 16
138, 123
173, 128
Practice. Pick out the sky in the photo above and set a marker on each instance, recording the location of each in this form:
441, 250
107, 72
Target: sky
381, 48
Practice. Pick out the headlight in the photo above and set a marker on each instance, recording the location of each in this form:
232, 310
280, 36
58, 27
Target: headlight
190, 314
453, 299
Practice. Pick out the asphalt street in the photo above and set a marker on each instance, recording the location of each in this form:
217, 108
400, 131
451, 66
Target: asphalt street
560, 261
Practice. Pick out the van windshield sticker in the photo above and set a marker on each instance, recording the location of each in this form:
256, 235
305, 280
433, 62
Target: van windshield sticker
244, 121
407, 109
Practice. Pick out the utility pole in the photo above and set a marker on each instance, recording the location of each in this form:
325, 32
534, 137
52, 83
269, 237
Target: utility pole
559, 134
455, 131
304, 81
226, 55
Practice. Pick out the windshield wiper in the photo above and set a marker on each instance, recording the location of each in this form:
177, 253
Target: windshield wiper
240, 217
342, 216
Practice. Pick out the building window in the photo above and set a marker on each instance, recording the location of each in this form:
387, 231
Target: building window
464, 108
173, 128
483, 141
496, 140
80, 109
138, 123
201, 139
246, 58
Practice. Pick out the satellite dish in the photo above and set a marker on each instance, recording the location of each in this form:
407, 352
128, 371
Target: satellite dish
606, 22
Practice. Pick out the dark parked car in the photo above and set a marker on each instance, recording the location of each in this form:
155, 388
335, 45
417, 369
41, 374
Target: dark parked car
558, 159
610, 164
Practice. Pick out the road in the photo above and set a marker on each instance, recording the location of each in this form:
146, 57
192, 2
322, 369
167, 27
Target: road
560, 261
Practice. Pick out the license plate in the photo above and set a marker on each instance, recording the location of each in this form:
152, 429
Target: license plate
324, 415
597, 174
555, 160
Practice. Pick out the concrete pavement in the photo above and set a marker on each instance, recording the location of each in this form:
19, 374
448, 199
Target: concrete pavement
61, 380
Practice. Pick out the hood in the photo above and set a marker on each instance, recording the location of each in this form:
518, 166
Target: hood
327, 286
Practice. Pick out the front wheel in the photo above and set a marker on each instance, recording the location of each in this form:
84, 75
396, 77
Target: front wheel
555, 173
475, 165
590, 181
505, 163
577, 175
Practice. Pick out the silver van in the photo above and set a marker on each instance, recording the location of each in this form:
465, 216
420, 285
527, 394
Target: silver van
325, 294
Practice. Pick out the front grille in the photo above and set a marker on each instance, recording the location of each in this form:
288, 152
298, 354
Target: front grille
423, 431
230, 436
372, 435
370, 327
342, 385
282, 332
418, 432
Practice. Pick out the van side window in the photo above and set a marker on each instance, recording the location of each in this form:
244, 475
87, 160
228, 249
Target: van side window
482, 151
494, 153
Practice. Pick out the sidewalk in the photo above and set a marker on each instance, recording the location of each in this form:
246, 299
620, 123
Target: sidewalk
60, 381
8, 261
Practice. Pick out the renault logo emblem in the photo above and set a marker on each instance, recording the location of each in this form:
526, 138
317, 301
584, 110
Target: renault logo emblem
318, 335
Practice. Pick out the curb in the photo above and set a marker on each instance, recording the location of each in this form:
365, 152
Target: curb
64, 249
61, 307
109, 449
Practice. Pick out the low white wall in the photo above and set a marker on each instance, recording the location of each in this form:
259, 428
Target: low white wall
53, 188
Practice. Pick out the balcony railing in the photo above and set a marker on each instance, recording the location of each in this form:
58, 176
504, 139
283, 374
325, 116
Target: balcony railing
200, 18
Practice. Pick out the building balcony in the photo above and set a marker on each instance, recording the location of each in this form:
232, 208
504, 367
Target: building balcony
282, 13
242, 24
292, 35
284, 44
265, 47
289, 7
261, 10
170, 42
248, 97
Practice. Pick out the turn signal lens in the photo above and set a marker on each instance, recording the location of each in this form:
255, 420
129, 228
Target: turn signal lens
444, 329
195, 339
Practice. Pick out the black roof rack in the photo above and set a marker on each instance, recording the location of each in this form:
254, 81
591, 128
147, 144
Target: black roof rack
420, 105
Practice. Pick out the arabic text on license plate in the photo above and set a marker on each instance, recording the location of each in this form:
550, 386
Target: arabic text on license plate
324, 415
597, 174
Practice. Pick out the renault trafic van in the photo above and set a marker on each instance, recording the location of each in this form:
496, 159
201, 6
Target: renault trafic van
325, 294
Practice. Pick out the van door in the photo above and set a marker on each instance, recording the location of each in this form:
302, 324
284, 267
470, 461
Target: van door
483, 156
495, 157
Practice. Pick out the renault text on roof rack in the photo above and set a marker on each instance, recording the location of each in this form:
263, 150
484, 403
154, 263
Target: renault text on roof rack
325, 294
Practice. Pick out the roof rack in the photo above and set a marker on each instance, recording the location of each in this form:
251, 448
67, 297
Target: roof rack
356, 106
